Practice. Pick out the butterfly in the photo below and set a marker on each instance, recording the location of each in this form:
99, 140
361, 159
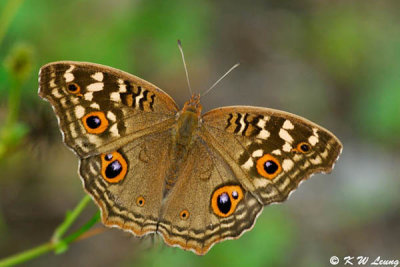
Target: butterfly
154, 168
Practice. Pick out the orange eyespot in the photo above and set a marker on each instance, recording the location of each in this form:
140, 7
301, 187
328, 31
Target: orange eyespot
184, 214
73, 88
113, 167
268, 166
225, 199
303, 147
140, 201
95, 122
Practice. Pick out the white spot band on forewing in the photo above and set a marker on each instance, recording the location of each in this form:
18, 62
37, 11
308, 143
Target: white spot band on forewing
285, 136
288, 125
98, 76
94, 87
68, 76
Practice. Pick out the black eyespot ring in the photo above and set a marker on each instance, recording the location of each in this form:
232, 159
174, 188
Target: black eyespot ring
73, 88
140, 201
225, 200
268, 166
113, 167
184, 214
95, 122
304, 147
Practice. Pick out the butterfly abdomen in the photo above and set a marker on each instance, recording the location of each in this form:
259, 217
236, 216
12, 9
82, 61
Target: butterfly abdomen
186, 126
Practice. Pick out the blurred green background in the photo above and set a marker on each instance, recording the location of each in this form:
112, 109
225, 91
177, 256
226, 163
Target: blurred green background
336, 63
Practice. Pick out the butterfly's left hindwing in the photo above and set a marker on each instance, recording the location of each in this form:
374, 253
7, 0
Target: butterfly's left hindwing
100, 108
127, 184
270, 151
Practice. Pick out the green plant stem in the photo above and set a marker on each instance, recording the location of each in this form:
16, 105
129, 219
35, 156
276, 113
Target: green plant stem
6, 16
56, 243
27, 255
70, 218
72, 237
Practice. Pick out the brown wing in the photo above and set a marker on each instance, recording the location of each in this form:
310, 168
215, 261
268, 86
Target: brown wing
100, 108
127, 184
270, 151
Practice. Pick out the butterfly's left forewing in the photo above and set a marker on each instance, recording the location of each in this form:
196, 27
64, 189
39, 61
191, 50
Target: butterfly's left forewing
99, 108
270, 151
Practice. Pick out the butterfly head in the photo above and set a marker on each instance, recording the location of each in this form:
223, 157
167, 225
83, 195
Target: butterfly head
193, 105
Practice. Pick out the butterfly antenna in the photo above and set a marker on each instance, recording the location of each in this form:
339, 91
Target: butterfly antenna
184, 65
223, 76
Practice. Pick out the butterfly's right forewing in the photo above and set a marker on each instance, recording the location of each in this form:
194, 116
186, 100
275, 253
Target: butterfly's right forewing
270, 151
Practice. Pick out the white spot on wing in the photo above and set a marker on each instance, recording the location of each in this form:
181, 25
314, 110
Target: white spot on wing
95, 106
56, 93
79, 111
313, 140
287, 165
261, 123
94, 87
285, 136
249, 163
297, 157
260, 182
316, 161
325, 153
137, 99
98, 76
306, 165
69, 77
264, 134
114, 130
88, 96
242, 124
52, 83
115, 96
288, 125
122, 88
71, 68
287, 147
258, 153
111, 116
276, 152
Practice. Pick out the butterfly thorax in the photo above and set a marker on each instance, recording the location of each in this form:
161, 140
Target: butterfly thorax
188, 120
185, 128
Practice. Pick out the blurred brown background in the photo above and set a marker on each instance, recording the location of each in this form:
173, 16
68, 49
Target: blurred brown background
336, 63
